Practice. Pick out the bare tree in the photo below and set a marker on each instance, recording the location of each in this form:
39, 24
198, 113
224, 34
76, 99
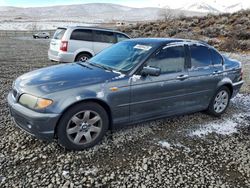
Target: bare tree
34, 26
166, 13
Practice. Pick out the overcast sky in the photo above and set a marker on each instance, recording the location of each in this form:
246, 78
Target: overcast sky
131, 3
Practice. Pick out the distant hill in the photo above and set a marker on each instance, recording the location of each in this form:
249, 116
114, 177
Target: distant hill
44, 18
89, 13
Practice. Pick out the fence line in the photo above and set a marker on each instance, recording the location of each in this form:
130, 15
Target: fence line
13, 33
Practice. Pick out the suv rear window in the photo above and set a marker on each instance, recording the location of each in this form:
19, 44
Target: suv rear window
82, 34
104, 36
59, 33
121, 37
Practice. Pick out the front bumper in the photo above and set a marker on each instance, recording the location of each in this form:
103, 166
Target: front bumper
40, 125
236, 87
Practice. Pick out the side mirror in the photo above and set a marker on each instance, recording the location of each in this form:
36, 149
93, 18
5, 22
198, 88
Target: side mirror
152, 71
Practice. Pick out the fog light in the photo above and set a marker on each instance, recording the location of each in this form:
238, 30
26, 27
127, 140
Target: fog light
29, 126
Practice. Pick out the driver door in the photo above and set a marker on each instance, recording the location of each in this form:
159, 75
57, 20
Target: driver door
166, 94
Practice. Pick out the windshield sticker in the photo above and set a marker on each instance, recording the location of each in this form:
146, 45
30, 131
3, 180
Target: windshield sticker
142, 47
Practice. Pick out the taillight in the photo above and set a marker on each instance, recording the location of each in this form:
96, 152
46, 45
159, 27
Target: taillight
64, 46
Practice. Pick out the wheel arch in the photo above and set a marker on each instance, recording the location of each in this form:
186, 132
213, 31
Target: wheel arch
83, 51
230, 87
227, 83
98, 101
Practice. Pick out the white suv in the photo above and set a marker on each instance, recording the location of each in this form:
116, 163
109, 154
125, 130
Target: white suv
81, 43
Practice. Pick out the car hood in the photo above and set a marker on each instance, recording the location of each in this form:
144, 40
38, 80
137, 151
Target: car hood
61, 77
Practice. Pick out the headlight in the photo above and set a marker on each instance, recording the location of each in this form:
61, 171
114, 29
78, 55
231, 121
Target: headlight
34, 102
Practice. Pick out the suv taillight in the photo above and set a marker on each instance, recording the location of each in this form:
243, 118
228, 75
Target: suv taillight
64, 46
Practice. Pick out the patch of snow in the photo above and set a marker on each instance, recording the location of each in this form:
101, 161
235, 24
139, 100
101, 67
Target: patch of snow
117, 72
229, 125
121, 75
134, 78
241, 100
78, 98
165, 144
224, 128
100, 94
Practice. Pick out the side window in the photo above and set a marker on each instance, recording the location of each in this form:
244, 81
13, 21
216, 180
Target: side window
104, 36
121, 37
200, 56
216, 57
169, 60
82, 34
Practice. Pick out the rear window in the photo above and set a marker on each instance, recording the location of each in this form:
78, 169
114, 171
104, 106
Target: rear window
104, 36
216, 57
121, 37
82, 34
59, 34
200, 56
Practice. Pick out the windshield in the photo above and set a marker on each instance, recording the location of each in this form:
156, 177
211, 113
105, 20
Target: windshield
122, 56
59, 34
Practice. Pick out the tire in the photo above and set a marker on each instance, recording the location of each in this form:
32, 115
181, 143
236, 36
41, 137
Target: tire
219, 102
75, 133
83, 57
46, 37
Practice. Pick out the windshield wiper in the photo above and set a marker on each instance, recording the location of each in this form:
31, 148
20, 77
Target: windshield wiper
101, 66
84, 64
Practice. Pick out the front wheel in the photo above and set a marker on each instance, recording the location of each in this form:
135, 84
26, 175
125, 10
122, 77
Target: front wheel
220, 101
82, 126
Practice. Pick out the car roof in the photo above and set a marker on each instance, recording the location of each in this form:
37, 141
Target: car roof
93, 28
162, 41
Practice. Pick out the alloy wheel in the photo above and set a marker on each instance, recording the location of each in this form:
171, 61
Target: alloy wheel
221, 101
84, 127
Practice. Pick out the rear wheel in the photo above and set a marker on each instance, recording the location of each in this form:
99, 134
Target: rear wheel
220, 101
83, 57
82, 126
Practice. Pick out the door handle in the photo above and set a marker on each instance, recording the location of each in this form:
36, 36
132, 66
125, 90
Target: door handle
182, 77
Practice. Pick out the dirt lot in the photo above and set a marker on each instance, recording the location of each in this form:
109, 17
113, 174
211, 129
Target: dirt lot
195, 150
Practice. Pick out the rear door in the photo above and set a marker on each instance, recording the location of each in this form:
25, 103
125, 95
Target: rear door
203, 75
102, 40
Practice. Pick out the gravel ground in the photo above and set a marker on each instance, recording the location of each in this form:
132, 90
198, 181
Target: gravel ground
194, 150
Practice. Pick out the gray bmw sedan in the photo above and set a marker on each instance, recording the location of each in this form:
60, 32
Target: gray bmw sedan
132, 81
